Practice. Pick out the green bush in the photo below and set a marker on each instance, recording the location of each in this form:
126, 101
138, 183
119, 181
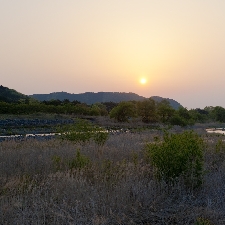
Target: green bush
100, 137
79, 161
178, 155
123, 112
202, 221
220, 146
83, 131
178, 120
57, 162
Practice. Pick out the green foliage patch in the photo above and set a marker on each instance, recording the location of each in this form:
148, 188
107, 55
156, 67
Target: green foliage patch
123, 111
83, 131
78, 162
202, 221
177, 155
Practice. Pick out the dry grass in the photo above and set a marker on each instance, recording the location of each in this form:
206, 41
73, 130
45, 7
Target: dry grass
117, 187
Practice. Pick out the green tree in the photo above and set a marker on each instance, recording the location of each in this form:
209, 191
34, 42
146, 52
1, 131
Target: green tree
182, 117
176, 119
95, 110
198, 115
102, 109
219, 114
123, 111
165, 111
147, 110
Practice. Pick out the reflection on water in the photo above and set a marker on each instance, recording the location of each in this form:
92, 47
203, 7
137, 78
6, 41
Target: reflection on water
29, 135
51, 135
216, 130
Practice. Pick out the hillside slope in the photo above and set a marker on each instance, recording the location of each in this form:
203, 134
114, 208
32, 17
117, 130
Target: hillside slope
10, 95
91, 97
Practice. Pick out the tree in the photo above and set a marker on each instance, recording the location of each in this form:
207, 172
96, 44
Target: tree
95, 110
123, 111
102, 109
165, 111
198, 115
147, 110
219, 114
109, 105
176, 119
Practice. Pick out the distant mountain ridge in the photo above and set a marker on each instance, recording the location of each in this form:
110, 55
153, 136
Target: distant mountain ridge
10, 95
91, 97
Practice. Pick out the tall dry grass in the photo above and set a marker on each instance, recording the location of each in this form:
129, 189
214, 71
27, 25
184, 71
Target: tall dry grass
117, 186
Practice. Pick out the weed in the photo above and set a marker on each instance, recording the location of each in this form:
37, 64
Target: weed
80, 161
57, 162
134, 156
220, 146
100, 137
202, 221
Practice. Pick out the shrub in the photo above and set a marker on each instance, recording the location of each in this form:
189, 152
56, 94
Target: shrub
57, 161
178, 155
178, 120
202, 221
100, 137
83, 131
79, 161
123, 111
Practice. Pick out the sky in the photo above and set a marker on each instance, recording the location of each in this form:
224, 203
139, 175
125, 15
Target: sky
92, 46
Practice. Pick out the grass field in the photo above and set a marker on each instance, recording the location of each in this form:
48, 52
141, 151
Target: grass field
60, 182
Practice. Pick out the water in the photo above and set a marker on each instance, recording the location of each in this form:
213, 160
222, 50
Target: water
216, 130
29, 136
49, 135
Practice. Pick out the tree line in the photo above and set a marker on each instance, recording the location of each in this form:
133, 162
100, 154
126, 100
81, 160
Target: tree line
149, 111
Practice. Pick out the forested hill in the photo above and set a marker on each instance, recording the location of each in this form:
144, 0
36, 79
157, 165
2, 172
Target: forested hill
173, 103
91, 97
10, 95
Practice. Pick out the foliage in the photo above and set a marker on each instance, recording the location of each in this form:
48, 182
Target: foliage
178, 155
102, 109
184, 113
10, 95
219, 114
164, 111
178, 120
95, 110
79, 161
83, 131
100, 137
109, 105
57, 161
98, 109
182, 117
202, 221
123, 111
147, 110
199, 115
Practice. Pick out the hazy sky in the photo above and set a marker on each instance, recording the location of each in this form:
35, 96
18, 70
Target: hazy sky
109, 45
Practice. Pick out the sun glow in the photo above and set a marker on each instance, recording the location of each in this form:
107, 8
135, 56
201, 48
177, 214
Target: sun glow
143, 81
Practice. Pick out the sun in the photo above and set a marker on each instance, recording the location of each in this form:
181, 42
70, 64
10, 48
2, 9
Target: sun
143, 81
